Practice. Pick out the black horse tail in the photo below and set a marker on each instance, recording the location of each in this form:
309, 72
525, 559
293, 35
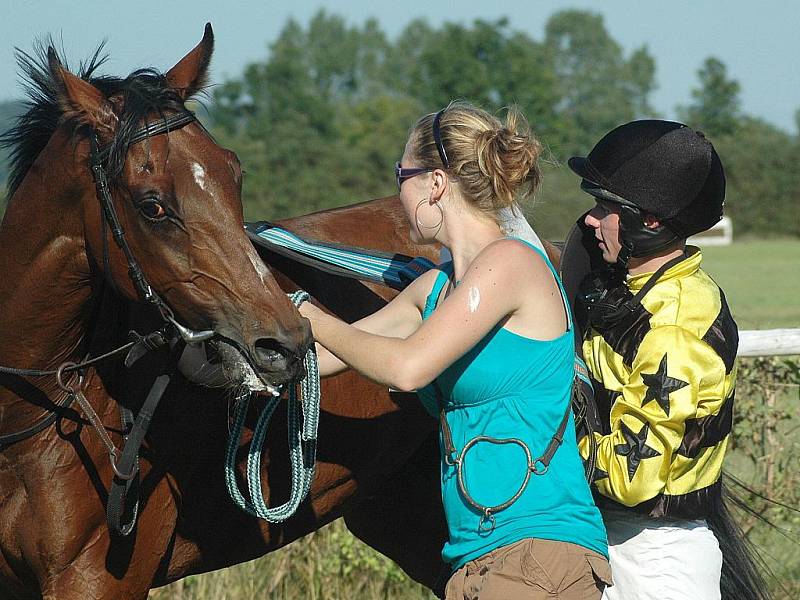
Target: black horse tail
744, 570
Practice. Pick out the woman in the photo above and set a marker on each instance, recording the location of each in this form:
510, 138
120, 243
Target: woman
487, 341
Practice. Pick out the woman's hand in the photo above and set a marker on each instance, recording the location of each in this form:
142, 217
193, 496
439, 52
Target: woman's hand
312, 313
328, 364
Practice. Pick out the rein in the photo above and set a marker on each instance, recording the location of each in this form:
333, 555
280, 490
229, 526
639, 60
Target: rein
303, 420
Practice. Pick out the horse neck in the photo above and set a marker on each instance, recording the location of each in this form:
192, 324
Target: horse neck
44, 268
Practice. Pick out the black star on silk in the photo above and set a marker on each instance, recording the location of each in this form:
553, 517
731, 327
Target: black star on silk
660, 386
635, 448
598, 475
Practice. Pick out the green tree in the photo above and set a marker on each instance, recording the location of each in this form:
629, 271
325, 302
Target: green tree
315, 124
400, 69
763, 179
486, 63
598, 88
639, 81
320, 121
716, 107
459, 62
524, 76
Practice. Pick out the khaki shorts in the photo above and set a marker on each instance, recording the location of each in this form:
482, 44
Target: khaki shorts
532, 568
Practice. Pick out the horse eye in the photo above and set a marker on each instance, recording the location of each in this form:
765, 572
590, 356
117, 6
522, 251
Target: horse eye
152, 210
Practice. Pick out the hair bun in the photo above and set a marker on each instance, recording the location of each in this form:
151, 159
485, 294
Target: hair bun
494, 164
507, 156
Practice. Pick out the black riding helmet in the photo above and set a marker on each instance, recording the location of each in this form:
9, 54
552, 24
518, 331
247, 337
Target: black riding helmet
655, 167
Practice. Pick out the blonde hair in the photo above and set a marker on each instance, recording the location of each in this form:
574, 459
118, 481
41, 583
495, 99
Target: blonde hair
493, 163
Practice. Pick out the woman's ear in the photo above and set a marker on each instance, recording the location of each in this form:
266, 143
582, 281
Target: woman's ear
439, 182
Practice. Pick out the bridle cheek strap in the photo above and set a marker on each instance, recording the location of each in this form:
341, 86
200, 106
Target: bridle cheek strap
97, 159
97, 164
112, 221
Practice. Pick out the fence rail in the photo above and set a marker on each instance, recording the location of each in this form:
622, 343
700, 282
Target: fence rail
769, 342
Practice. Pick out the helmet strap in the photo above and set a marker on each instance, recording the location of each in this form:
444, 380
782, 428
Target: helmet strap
637, 239
625, 253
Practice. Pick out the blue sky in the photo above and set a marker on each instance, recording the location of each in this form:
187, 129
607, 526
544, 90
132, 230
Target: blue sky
758, 41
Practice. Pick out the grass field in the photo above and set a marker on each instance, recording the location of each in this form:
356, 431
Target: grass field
760, 281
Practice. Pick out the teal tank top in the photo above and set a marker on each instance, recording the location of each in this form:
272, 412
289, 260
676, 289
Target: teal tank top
511, 386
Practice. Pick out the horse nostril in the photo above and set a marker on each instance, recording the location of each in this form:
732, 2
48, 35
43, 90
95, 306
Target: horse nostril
268, 353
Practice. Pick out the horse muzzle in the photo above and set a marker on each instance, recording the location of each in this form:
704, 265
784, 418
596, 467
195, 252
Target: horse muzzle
223, 362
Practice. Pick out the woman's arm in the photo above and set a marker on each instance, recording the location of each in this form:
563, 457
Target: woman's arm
399, 318
494, 288
327, 363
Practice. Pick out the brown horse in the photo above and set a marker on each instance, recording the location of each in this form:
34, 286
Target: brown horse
66, 294
177, 195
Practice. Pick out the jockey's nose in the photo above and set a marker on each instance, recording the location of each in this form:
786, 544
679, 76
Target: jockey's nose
591, 219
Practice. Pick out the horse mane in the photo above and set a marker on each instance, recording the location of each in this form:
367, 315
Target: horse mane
143, 92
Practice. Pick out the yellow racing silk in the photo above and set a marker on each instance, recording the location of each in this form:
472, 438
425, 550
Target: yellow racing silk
664, 379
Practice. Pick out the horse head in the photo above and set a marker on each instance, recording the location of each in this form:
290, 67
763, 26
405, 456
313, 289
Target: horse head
177, 198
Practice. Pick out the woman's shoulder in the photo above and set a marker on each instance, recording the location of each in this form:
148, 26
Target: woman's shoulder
513, 257
429, 278
507, 272
524, 279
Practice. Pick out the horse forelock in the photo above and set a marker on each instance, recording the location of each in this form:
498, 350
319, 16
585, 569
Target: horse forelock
140, 95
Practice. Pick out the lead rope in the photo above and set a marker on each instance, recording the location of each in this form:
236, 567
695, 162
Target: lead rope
303, 418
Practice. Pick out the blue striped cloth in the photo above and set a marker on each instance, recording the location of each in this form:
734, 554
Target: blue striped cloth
394, 270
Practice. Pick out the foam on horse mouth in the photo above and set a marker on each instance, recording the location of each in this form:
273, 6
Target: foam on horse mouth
254, 383
218, 364
240, 371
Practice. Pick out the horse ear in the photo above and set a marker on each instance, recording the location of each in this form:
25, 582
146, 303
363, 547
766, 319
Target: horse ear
80, 101
190, 74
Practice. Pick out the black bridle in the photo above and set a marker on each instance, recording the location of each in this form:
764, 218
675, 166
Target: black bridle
122, 507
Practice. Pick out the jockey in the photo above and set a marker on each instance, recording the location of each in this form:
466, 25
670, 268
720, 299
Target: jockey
660, 345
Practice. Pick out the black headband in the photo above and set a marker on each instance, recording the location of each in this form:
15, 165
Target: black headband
437, 137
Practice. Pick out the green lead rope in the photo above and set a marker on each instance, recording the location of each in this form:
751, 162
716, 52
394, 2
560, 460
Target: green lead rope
303, 417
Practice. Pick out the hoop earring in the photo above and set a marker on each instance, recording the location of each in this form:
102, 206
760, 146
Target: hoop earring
420, 226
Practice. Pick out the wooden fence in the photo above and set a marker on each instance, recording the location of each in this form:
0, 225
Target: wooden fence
769, 342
